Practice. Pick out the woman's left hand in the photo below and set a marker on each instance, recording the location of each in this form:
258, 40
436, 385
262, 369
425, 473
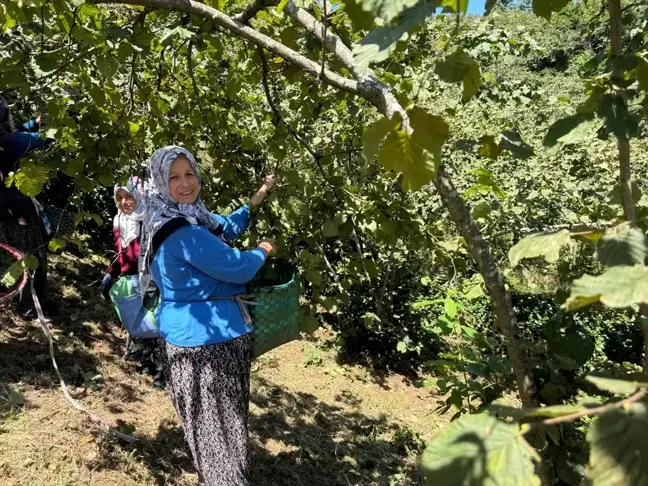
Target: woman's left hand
268, 183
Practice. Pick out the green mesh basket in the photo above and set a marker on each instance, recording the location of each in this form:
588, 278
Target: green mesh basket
275, 317
61, 221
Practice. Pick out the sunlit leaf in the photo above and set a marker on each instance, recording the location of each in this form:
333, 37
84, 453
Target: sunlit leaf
480, 450
416, 156
457, 6
617, 385
376, 133
618, 287
57, 244
386, 9
618, 447
377, 45
569, 130
546, 245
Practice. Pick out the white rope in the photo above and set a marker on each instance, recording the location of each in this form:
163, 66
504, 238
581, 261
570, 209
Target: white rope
101, 423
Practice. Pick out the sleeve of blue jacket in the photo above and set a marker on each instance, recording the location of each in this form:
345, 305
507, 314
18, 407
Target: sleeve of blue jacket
209, 254
28, 141
235, 224
29, 126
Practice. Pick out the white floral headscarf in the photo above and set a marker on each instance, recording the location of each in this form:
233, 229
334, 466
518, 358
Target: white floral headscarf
129, 225
162, 208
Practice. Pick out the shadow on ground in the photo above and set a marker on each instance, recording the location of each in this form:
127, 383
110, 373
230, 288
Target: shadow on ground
295, 439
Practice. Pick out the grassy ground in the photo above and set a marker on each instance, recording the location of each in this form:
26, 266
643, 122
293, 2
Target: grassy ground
313, 422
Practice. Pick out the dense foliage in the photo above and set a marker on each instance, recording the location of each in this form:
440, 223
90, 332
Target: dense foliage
524, 114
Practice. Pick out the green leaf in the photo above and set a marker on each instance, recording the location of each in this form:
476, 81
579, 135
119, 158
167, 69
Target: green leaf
619, 287
457, 6
282, 5
57, 244
377, 45
489, 147
450, 307
569, 130
401, 347
545, 8
313, 276
617, 385
460, 67
30, 178
615, 193
480, 450
360, 19
16, 398
47, 63
416, 156
546, 245
15, 271
618, 120
308, 324
376, 133
133, 128
430, 133
330, 228
622, 245
13, 78
387, 9
618, 447
107, 66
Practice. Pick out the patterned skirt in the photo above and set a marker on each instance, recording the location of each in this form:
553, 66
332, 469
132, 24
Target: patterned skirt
210, 388
22, 228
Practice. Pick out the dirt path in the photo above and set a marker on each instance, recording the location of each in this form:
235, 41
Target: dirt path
312, 422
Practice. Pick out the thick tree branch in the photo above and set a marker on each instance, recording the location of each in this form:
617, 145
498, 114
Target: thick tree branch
333, 42
616, 51
254, 8
249, 34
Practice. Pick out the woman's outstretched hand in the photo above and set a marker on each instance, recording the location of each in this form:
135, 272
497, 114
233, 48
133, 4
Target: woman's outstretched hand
268, 183
268, 246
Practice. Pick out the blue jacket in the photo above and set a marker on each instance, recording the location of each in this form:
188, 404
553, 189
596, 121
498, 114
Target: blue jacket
192, 265
14, 145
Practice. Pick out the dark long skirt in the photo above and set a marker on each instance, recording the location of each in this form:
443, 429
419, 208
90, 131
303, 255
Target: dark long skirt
210, 388
22, 228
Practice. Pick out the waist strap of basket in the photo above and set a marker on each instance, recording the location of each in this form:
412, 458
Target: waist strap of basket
242, 300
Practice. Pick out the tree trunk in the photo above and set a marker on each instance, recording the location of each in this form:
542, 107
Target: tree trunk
616, 51
500, 298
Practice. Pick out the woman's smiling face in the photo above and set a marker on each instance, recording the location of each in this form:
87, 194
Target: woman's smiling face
126, 203
184, 185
